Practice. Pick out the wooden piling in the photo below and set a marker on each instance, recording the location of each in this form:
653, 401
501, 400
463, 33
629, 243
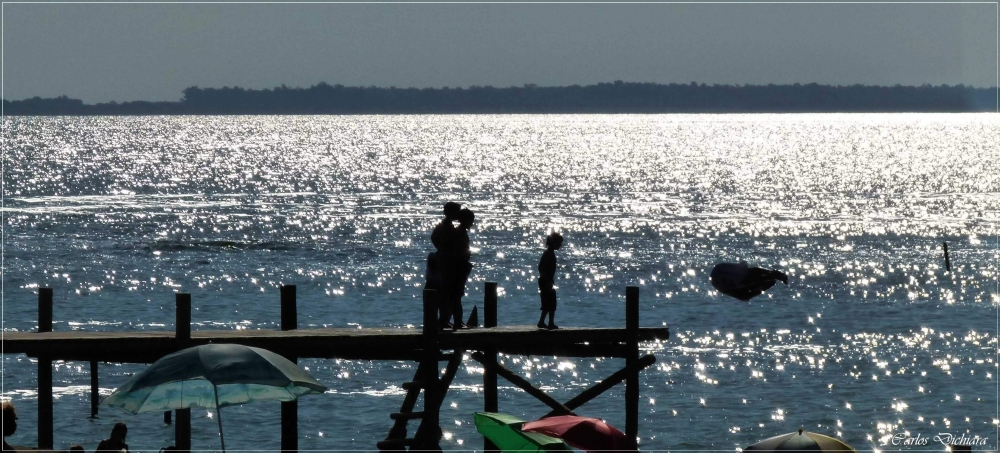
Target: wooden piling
182, 338
44, 309
947, 261
289, 409
490, 393
94, 394
182, 429
45, 419
182, 320
428, 435
632, 363
289, 310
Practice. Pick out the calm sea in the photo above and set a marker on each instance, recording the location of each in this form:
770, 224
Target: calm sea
871, 339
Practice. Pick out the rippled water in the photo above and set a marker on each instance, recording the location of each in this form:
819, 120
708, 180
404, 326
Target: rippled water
871, 338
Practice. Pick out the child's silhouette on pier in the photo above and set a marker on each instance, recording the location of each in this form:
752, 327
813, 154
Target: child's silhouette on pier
546, 280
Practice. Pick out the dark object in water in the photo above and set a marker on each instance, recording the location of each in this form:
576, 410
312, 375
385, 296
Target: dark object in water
744, 282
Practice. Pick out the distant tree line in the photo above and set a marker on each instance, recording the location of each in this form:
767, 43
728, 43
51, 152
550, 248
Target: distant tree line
616, 97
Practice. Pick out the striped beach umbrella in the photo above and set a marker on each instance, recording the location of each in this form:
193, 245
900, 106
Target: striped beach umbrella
801, 441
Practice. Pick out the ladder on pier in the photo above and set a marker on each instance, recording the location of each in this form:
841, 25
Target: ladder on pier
434, 387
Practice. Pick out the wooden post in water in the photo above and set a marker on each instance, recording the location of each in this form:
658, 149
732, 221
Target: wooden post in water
182, 430
947, 262
94, 389
182, 337
632, 363
182, 320
490, 394
45, 420
45, 309
289, 409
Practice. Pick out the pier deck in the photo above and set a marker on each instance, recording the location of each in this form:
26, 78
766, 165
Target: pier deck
341, 343
426, 345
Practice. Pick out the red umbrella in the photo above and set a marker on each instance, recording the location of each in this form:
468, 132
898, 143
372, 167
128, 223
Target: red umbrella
585, 433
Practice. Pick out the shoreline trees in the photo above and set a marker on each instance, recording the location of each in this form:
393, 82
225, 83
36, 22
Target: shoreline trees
615, 97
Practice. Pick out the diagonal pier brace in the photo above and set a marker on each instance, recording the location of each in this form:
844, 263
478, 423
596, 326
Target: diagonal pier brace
595, 390
509, 375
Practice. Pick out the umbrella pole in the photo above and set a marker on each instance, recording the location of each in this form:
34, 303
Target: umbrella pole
218, 415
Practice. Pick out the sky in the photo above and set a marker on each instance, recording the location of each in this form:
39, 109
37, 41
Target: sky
133, 51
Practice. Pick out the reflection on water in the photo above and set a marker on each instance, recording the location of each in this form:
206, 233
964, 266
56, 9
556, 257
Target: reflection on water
870, 338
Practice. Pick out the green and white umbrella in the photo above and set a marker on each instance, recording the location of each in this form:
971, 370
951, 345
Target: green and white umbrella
505, 433
213, 375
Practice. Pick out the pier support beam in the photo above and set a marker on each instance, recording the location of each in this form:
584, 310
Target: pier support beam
182, 429
428, 435
632, 363
45, 420
289, 409
595, 390
94, 395
182, 338
490, 394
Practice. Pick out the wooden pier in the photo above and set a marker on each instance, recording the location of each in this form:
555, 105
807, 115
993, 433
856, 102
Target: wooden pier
428, 346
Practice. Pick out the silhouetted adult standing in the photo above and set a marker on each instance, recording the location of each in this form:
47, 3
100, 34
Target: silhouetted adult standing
547, 279
438, 273
744, 282
9, 424
461, 266
115, 443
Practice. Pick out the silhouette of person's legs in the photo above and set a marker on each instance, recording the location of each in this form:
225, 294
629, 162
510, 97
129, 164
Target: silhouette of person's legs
457, 311
552, 311
548, 296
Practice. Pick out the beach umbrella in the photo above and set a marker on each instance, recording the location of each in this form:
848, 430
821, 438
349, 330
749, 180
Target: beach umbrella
505, 432
585, 433
213, 375
801, 441
744, 282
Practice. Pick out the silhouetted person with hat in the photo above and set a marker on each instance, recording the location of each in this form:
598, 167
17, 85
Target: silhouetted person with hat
546, 280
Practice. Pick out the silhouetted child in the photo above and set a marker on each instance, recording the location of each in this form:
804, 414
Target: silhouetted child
443, 238
115, 443
546, 280
461, 266
76, 447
